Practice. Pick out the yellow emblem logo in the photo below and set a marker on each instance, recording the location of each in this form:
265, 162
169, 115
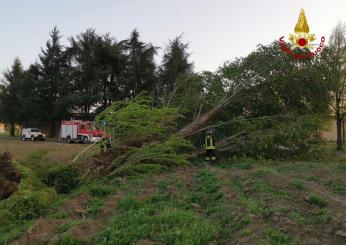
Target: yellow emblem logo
302, 39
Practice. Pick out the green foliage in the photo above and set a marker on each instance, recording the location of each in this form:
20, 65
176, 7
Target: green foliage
161, 217
277, 137
172, 225
136, 121
276, 237
165, 153
94, 207
317, 200
142, 134
63, 179
175, 63
297, 183
133, 170
100, 190
68, 240
30, 201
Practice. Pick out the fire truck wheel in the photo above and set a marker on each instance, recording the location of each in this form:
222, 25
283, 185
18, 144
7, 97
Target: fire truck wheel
85, 140
68, 139
32, 138
23, 138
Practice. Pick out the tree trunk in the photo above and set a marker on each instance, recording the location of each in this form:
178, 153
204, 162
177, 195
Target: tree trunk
52, 129
201, 122
339, 134
12, 129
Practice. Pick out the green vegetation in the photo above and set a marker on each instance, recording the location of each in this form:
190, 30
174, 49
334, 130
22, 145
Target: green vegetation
297, 183
30, 201
317, 200
278, 238
63, 179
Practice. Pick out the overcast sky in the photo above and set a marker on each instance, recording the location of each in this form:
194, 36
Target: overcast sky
217, 30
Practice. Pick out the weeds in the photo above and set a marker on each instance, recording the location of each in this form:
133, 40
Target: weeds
298, 184
317, 200
276, 237
94, 207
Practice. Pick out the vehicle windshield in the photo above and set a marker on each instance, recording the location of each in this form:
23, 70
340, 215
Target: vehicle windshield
35, 130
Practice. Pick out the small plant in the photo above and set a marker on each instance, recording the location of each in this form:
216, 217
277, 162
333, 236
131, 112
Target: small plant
245, 166
94, 207
298, 218
27, 207
317, 200
297, 183
66, 226
322, 216
59, 215
99, 190
68, 240
63, 179
276, 237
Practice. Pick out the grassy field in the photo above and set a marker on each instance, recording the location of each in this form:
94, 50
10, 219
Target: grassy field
230, 202
59, 153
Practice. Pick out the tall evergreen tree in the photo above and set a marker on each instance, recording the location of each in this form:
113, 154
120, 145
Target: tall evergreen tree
53, 86
97, 67
140, 68
175, 63
10, 100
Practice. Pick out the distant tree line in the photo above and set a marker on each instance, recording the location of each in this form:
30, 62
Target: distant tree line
86, 76
95, 70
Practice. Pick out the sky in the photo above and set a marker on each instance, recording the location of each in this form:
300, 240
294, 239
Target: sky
216, 30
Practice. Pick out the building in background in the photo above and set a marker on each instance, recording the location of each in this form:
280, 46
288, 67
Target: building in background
330, 133
2, 128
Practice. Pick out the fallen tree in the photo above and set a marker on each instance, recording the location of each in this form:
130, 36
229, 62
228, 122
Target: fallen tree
141, 136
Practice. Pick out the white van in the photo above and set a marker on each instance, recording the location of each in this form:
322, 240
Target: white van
32, 134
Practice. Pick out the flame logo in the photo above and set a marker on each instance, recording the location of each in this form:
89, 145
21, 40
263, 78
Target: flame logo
302, 39
302, 24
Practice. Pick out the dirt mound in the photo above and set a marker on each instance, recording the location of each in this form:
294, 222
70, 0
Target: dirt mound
9, 176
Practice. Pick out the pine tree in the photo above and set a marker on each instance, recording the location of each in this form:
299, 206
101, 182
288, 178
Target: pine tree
140, 68
53, 86
175, 62
10, 99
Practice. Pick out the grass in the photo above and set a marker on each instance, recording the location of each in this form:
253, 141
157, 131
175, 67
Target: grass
317, 200
200, 204
94, 207
175, 214
276, 237
27, 204
66, 226
298, 184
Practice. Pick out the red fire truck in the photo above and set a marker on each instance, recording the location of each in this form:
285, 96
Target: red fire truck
80, 131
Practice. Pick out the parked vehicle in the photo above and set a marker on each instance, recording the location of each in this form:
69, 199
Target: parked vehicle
32, 134
80, 131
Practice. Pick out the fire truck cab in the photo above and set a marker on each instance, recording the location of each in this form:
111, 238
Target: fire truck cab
79, 131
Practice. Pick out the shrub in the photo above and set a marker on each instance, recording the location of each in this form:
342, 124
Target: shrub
68, 240
63, 179
297, 183
317, 200
99, 190
30, 201
27, 207
276, 237
94, 207
276, 137
139, 169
